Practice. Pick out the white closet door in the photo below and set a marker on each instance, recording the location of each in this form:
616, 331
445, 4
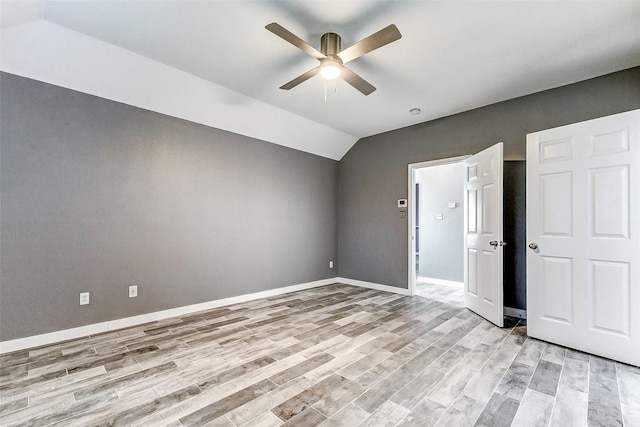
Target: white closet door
583, 225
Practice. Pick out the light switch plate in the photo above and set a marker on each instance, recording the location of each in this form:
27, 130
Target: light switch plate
84, 298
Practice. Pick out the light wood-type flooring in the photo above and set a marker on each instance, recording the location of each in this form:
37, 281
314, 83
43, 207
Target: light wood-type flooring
332, 356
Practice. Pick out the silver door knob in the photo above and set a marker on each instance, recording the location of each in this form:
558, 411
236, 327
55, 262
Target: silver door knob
533, 245
495, 243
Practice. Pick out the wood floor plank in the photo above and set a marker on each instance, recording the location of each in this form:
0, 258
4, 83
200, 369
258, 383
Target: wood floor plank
229, 403
498, 412
267, 402
376, 395
546, 377
534, 410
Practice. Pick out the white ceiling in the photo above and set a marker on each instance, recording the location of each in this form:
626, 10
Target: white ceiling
453, 56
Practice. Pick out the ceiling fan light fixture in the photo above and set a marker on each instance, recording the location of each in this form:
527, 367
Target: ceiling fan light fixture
332, 57
330, 70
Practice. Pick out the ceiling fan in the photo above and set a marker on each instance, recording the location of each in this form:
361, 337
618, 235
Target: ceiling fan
332, 57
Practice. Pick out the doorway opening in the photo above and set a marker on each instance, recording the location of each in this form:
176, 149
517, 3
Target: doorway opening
436, 229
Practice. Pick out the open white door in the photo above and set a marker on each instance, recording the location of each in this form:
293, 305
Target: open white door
583, 225
483, 234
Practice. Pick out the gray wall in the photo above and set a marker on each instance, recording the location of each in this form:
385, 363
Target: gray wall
441, 241
97, 195
373, 174
515, 234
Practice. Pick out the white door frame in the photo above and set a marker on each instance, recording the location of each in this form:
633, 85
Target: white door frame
412, 275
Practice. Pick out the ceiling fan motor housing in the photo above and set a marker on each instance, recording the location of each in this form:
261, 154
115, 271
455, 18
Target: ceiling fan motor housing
330, 44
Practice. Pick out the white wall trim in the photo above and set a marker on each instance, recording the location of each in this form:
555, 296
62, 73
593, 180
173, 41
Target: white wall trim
441, 281
376, 286
515, 312
96, 328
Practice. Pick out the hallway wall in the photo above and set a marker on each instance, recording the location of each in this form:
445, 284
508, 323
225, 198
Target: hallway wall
441, 240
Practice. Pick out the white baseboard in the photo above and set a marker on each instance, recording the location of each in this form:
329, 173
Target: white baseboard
514, 312
375, 286
440, 281
96, 328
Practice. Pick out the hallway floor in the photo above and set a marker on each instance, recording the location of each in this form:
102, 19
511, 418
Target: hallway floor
333, 356
442, 293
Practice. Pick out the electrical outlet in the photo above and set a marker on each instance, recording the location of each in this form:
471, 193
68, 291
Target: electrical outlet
330, 264
84, 298
133, 291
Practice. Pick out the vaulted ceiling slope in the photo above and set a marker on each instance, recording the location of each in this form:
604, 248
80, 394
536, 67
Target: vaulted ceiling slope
213, 62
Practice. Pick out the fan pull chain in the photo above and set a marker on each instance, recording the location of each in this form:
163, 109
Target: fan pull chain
324, 85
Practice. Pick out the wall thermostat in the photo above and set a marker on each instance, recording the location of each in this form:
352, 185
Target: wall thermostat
402, 203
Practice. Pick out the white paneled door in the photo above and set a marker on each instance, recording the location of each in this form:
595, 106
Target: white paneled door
483, 234
583, 225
